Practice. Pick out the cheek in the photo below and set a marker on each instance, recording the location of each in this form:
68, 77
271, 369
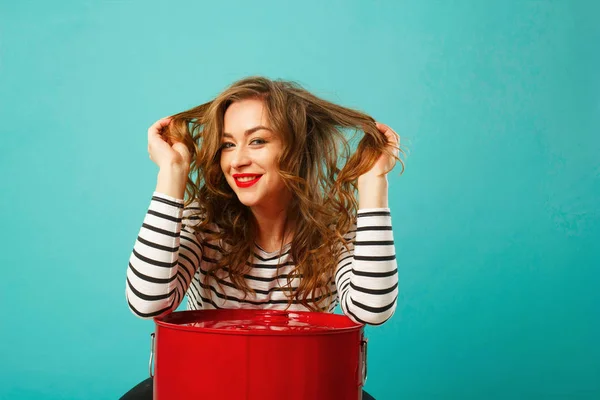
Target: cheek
271, 162
276, 179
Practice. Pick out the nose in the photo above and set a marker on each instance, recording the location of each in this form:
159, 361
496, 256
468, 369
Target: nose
240, 158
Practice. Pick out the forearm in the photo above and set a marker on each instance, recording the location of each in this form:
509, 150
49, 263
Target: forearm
367, 275
372, 191
163, 260
172, 181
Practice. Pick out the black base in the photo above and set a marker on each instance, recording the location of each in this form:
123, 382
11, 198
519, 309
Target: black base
143, 391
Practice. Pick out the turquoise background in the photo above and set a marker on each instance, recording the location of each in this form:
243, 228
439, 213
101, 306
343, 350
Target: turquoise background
496, 218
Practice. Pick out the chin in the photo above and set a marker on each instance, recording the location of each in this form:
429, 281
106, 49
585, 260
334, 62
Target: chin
248, 202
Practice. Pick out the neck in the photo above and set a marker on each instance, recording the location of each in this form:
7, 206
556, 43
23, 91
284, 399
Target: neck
273, 228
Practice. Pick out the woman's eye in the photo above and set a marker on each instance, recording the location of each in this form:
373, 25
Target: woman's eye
227, 145
258, 141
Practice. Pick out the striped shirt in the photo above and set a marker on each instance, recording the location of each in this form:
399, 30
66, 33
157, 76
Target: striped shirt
169, 260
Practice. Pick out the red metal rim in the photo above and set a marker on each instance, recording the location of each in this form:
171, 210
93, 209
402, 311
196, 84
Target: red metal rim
323, 323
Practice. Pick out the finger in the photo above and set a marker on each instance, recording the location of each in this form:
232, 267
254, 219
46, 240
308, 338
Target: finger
156, 142
182, 150
394, 137
391, 135
387, 131
381, 127
159, 125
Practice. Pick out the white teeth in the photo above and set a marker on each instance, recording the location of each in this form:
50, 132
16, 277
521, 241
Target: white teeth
247, 178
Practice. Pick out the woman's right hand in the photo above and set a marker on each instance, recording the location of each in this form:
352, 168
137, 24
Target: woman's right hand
173, 160
171, 157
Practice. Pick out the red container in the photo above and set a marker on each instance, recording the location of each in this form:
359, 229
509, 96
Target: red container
258, 354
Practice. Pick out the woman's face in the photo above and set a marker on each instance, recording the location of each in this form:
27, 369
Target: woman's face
250, 156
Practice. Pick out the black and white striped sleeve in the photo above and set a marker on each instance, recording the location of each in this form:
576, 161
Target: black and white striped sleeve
367, 274
165, 257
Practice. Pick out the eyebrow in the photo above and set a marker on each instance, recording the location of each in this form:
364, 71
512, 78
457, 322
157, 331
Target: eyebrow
249, 131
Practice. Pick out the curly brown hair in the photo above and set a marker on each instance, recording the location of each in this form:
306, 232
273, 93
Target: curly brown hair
316, 166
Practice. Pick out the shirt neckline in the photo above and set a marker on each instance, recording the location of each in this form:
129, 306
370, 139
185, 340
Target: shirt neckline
273, 253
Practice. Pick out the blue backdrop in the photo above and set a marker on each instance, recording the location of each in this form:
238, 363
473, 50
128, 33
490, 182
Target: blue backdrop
496, 218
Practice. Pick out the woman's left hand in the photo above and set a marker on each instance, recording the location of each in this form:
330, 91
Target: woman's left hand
386, 162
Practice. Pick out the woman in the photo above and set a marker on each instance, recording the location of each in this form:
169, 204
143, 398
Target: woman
255, 208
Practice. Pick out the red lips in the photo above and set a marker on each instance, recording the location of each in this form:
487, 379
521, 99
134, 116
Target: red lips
245, 184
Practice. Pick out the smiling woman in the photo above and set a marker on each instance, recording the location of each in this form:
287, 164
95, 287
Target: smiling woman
255, 207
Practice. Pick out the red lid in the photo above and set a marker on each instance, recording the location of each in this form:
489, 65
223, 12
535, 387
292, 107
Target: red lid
258, 322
